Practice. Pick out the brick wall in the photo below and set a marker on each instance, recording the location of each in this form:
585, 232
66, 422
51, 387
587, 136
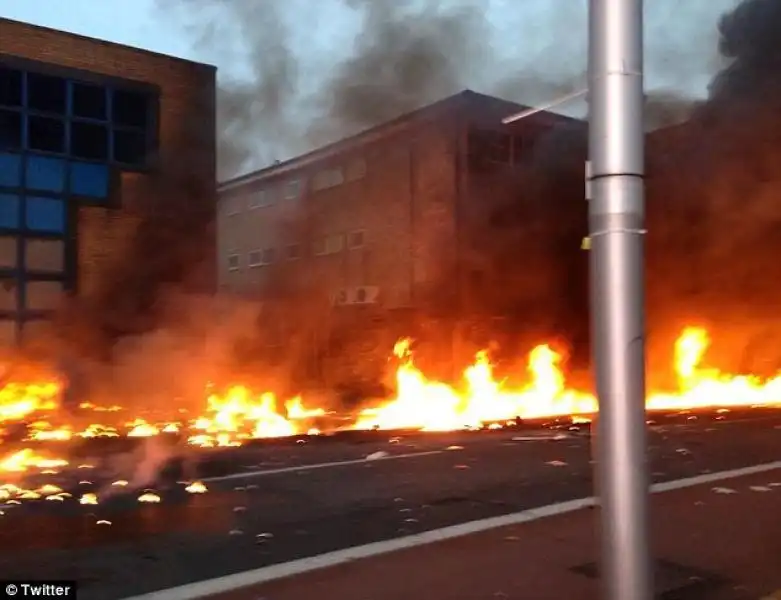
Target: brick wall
181, 182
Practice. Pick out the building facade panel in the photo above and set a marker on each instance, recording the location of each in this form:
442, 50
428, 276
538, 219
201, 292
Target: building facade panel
94, 138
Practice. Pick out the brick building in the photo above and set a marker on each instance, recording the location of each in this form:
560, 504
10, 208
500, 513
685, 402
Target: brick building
97, 142
399, 219
381, 217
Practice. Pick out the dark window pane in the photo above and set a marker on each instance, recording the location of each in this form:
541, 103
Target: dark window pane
45, 92
129, 108
89, 101
89, 140
10, 129
10, 170
9, 211
47, 135
45, 174
45, 214
10, 87
130, 147
89, 179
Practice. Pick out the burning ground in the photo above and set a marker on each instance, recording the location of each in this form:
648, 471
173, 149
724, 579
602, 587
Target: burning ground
43, 442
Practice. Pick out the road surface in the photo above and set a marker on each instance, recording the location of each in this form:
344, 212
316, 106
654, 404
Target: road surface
279, 503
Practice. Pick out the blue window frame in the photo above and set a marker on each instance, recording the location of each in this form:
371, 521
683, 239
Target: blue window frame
45, 214
89, 179
9, 211
10, 170
45, 174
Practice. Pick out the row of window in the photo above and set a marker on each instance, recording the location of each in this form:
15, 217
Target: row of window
59, 96
91, 141
498, 147
294, 188
32, 254
16, 295
34, 213
325, 245
54, 175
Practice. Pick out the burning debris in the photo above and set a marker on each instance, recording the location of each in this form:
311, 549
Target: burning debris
238, 415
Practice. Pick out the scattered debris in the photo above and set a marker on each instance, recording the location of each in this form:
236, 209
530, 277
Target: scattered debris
149, 498
264, 536
723, 490
102, 522
238, 509
454, 448
89, 498
683, 451
556, 463
377, 455
196, 487
461, 467
235, 532
760, 488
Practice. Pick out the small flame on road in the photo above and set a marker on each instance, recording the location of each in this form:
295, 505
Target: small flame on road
88, 498
196, 487
149, 498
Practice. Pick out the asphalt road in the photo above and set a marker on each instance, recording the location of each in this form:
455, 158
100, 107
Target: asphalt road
278, 502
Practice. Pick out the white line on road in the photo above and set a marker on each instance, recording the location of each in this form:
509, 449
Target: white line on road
229, 583
328, 465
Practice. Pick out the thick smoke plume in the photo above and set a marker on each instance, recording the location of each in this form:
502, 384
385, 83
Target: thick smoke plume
714, 204
284, 90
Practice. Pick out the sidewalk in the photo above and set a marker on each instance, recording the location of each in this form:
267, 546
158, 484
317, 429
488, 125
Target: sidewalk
727, 528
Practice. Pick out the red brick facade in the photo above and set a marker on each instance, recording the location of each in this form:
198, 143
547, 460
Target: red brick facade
425, 205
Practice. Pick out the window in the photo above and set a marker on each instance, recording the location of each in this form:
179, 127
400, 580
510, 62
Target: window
89, 101
44, 255
233, 262
45, 174
89, 140
46, 93
9, 251
330, 244
260, 258
356, 169
294, 251
45, 214
356, 239
89, 179
129, 109
129, 147
9, 211
260, 198
10, 170
293, 189
10, 130
327, 178
232, 205
10, 87
43, 295
45, 134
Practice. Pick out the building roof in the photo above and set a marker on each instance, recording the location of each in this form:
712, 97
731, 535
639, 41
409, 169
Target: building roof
466, 98
101, 42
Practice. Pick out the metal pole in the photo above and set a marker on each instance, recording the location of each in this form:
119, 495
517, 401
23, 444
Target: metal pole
616, 221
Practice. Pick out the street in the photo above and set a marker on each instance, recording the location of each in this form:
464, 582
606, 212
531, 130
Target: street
293, 500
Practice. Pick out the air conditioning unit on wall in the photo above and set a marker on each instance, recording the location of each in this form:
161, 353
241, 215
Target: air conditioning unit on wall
365, 294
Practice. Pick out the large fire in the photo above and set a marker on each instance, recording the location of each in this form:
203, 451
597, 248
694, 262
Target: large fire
238, 414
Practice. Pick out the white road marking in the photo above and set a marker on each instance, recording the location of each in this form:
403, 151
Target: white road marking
316, 466
237, 581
